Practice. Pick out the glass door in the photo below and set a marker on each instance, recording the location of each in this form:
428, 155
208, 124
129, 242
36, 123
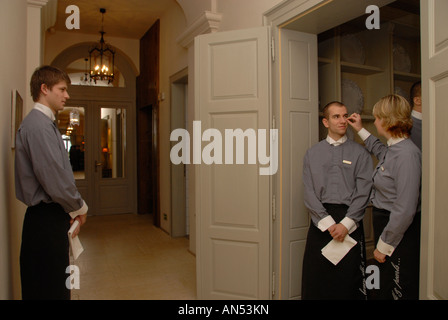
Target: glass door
73, 124
99, 146
112, 179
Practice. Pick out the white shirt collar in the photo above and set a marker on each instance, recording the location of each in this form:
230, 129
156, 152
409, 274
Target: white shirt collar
335, 143
393, 141
416, 114
45, 110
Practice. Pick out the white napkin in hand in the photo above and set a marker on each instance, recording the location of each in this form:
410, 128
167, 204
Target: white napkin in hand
336, 250
75, 244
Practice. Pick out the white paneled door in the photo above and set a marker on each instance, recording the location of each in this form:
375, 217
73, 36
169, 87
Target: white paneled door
299, 131
248, 246
232, 92
434, 256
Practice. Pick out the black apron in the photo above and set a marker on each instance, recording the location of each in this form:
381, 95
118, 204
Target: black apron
321, 279
44, 254
399, 275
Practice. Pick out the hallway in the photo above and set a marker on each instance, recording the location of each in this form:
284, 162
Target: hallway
126, 258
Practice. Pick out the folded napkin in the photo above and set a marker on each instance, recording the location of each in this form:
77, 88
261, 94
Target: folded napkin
75, 244
336, 250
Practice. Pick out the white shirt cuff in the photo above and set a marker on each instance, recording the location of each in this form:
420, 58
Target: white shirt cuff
384, 248
325, 223
350, 224
79, 212
363, 134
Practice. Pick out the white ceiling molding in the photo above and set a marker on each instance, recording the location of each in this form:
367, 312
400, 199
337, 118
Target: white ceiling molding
49, 14
37, 3
208, 22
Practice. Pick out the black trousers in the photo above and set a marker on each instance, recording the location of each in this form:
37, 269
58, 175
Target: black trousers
323, 280
399, 275
44, 254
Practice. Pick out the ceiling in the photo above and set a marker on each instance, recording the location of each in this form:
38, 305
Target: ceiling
123, 18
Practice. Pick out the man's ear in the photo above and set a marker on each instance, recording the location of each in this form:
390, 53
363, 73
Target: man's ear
44, 89
325, 122
417, 100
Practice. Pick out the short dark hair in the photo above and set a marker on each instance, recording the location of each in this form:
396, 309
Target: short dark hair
47, 75
328, 105
416, 91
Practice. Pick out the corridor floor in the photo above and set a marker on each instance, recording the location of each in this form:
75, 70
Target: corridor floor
127, 258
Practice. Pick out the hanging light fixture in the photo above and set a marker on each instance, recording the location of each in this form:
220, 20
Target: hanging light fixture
74, 117
102, 58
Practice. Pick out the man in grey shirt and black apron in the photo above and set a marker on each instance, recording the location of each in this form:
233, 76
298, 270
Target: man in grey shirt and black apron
45, 183
337, 176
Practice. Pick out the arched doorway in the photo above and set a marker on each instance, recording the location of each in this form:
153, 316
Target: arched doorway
102, 145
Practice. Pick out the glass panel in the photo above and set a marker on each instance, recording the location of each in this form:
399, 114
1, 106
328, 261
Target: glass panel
78, 71
113, 142
71, 124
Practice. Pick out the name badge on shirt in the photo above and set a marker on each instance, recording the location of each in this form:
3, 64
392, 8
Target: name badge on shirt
346, 162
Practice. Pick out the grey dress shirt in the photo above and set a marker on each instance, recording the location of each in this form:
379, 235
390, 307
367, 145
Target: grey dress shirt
337, 175
42, 168
396, 187
416, 131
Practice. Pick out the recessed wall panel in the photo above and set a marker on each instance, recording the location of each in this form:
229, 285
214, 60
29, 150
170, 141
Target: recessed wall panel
234, 186
235, 268
440, 33
109, 199
296, 251
234, 70
299, 70
441, 185
300, 142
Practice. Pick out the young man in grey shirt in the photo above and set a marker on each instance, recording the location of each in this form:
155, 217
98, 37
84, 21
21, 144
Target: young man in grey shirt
45, 183
337, 176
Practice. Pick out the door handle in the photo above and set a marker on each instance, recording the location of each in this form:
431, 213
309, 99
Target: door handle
97, 164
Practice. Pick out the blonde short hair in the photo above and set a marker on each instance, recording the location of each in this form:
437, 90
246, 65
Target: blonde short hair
395, 112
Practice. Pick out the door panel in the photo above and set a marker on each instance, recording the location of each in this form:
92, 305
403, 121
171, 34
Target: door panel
299, 131
434, 258
233, 217
111, 163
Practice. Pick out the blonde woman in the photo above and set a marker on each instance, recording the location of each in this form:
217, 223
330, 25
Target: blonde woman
395, 197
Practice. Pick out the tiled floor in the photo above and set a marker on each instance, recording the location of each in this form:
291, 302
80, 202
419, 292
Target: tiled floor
126, 257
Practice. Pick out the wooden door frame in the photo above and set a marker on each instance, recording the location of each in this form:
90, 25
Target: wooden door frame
178, 79
147, 92
309, 16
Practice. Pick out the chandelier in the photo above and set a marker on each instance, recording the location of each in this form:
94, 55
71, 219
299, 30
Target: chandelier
102, 58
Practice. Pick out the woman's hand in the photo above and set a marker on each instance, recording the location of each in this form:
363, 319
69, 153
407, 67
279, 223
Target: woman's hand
355, 121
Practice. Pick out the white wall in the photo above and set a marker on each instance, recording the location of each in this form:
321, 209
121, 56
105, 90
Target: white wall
194, 8
173, 58
13, 17
58, 41
241, 14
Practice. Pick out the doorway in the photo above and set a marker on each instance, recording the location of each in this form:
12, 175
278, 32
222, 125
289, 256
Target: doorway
179, 192
99, 144
311, 17
99, 188
358, 67
148, 198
